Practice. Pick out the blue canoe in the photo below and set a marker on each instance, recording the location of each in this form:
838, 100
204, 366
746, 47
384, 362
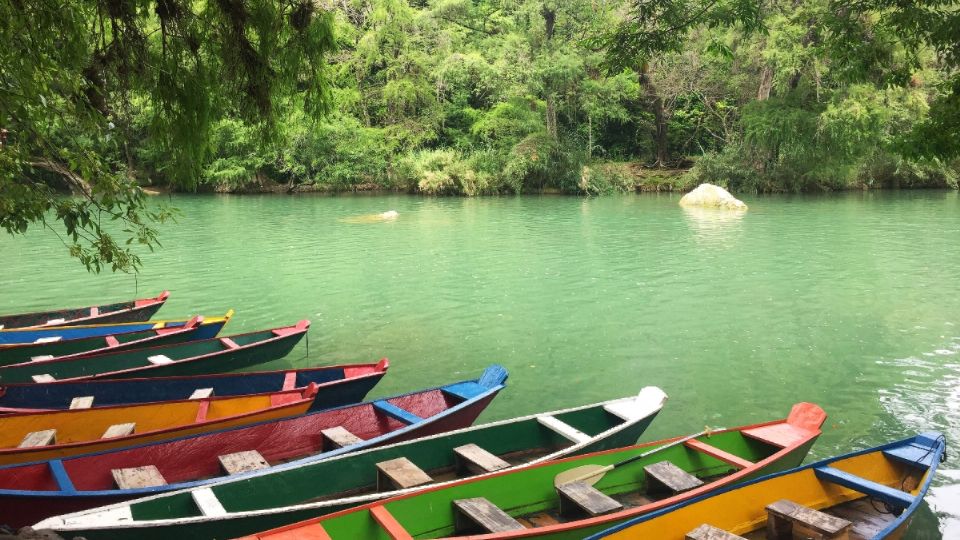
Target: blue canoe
56, 333
338, 385
870, 494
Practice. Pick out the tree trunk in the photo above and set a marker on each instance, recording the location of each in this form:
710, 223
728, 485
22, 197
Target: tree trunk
766, 83
659, 115
551, 116
589, 136
550, 20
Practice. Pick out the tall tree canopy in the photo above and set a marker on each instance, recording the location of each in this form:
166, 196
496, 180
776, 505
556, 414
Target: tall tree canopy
81, 81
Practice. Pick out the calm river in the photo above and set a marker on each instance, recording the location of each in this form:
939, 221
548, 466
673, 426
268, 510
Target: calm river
850, 301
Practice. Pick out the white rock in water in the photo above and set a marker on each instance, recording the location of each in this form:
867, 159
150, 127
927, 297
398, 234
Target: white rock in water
389, 214
711, 196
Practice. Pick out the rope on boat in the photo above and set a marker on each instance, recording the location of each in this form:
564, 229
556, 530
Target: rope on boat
887, 507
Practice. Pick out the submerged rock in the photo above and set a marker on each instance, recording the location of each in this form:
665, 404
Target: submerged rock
711, 196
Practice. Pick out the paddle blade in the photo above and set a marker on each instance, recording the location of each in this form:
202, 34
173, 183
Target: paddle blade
588, 474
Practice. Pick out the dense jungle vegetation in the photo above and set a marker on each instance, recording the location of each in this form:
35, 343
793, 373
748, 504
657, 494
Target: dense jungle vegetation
461, 97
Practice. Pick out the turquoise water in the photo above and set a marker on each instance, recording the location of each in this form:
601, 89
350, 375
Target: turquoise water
850, 301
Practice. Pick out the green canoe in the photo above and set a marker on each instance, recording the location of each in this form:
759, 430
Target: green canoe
535, 502
217, 355
287, 495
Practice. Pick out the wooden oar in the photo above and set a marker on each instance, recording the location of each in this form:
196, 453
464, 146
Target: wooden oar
591, 474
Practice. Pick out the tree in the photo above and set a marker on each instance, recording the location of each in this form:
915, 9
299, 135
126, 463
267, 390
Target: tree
73, 75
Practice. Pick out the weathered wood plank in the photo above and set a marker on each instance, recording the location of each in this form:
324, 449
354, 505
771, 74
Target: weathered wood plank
42, 378
241, 462
665, 474
119, 430
81, 402
480, 511
39, 438
786, 518
400, 473
338, 437
207, 501
709, 532
582, 496
564, 429
201, 393
476, 460
138, 477
159, 359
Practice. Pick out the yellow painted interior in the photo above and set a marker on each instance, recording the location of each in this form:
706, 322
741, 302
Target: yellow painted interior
154, 422
743, 510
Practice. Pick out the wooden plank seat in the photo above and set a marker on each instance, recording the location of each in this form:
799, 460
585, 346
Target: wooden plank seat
396, 413
476, 460
664, 475
207, 501
119, 430
787, 519
49, 339
464, 390
564, 429
581, 496
41, 357
709, 532
874, 490
112, 341
138, 477
81, 402
39, 438
627, 409
54, 322
229, 343
338, 437
201, 393
400, 473
241, 462
159, 359
717, 453
481, 512
42, 378
781, 435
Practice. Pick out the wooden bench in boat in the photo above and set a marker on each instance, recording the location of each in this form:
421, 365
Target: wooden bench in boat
42, 378
51, 339
241, 462
396, 413
207, 501
480, 511
39, 438
229, 343
582, 496
709, 532
81, 402
889, 495
717, 453
476, 460
400, 473
201, 393
112, 341
664, 475
41, 357
787, 519
119, 430
338, 437
563, 429
159, 359
138, 477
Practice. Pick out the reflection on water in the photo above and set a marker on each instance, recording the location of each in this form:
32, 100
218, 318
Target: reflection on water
713, 224
944, 498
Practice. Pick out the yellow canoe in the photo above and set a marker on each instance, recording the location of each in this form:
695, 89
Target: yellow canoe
866, 495
56, 434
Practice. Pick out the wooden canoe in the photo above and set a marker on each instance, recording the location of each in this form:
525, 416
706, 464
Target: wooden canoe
207, 356
524, 503
867, 495
349, 480
30, 493
193, 329
337, 385
130, 311
55, 435
44, 334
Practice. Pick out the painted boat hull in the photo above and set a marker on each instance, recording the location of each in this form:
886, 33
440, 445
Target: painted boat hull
530, 491
337, 385
206, 328
191, 358
79, 431
119, 312
741, 509
192, 462
31, 335
292, 489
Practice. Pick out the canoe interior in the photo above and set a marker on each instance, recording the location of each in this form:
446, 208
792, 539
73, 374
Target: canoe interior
129, 311
132, 362
356, 475
530, 497
741, 510
208, 328
108, 392
14, 337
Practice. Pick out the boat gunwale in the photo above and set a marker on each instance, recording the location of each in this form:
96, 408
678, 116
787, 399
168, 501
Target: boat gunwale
147, 303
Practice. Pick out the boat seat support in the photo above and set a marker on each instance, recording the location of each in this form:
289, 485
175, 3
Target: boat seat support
470, 513
476, 460
119, 430
39, 438
81, 402
339, 437
664, 475
138, 477
581, 496
241, 462
400, 473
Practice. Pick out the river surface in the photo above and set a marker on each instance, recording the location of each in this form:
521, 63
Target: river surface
849, 301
